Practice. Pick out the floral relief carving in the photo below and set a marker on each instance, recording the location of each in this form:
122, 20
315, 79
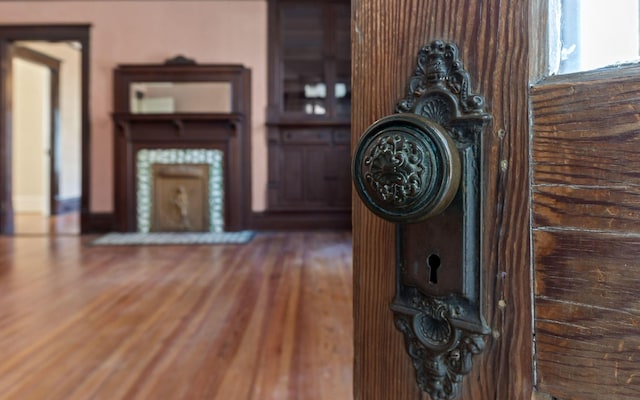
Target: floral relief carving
397, 168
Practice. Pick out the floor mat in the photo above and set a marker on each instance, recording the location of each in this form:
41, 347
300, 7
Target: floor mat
159, 238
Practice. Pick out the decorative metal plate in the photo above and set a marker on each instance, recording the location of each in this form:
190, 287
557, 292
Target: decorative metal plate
422, 168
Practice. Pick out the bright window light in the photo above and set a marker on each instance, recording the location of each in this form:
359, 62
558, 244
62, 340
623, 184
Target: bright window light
597, 33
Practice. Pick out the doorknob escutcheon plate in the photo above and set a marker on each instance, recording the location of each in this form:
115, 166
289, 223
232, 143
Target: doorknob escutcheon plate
421, 168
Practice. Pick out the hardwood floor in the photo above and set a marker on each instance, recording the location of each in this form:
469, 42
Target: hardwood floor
268, 320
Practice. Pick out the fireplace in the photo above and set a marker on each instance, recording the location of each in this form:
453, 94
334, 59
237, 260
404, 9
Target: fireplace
196, 160
180, 190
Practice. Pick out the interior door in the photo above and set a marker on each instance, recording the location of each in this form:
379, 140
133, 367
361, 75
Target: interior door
577, 209
491, 36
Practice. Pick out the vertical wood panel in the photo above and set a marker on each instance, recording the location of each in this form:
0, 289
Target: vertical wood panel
492, 37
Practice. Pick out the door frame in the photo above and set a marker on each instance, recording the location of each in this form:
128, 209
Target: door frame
53, 64
53, 33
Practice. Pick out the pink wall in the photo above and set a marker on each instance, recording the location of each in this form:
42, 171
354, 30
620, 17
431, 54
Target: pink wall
149, 32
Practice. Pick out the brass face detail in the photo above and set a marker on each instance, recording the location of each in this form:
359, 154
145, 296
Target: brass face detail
422, 169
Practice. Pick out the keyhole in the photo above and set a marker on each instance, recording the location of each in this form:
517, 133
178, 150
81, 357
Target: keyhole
433, 261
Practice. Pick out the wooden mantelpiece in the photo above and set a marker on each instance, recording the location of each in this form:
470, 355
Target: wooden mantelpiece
227, 132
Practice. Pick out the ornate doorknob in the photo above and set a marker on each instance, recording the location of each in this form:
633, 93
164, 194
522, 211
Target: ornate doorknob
406, 168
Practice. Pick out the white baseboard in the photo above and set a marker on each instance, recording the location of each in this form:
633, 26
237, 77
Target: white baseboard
25, 203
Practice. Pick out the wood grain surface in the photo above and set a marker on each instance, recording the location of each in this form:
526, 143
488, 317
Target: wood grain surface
602, 207
586, 241
585, 133
266, 320
494, 45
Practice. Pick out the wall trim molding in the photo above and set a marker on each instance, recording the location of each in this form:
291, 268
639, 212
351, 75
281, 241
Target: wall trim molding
97, 222
29, 203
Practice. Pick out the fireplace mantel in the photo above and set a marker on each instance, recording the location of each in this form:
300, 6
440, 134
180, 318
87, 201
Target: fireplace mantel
224, 131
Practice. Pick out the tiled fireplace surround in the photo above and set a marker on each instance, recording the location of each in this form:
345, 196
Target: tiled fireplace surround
145, 198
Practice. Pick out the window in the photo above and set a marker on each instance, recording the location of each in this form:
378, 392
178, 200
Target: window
594, 34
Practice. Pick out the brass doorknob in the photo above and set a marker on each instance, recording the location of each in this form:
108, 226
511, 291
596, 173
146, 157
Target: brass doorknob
406, 168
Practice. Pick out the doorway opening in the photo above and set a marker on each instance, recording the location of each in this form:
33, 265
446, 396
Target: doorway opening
44, 161
46, 137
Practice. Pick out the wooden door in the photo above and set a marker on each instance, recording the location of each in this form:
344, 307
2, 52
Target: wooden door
494, 46
577, 209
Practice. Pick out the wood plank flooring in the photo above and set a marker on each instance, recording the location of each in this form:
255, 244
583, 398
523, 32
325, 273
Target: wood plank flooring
268, 320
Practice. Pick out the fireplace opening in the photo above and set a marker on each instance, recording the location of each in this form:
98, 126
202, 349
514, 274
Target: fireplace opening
180, 200
180, 190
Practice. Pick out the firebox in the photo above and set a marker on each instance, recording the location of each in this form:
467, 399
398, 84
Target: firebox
180, 190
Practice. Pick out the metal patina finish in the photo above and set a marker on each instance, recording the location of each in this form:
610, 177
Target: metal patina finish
422, 169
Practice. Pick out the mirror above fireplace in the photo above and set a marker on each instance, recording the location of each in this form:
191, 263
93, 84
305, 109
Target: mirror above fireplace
179, 97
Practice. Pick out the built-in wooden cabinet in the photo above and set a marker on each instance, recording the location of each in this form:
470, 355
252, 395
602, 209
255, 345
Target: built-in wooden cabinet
311, 165
309, 112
